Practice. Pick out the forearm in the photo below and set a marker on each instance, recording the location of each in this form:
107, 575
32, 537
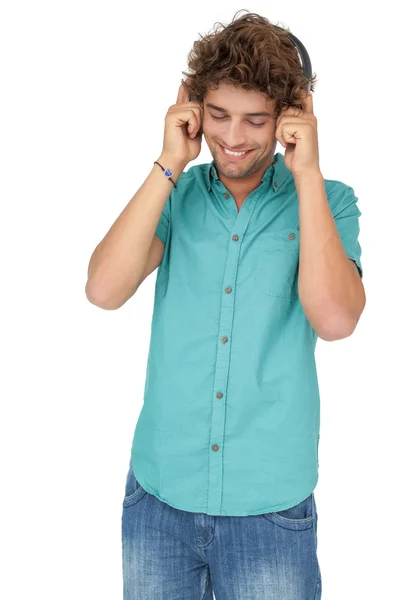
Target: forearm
117, 263
330, 289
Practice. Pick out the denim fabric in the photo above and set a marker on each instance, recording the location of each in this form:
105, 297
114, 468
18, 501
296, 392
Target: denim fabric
172, 554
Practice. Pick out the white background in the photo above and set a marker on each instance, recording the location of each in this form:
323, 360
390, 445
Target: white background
84, 91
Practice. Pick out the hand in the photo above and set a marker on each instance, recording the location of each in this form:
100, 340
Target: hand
296, 130
183, 133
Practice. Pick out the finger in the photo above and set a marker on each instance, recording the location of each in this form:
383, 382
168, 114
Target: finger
187, 118
309, 105
195, 123
279, 137
287, 112
290, 137
183, 94
282, 121
286, 133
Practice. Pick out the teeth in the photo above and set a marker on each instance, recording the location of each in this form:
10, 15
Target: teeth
234, 153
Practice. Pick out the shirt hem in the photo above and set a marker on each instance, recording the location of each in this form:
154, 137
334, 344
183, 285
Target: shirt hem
202, 509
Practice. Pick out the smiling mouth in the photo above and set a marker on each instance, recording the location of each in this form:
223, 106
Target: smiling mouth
234, 156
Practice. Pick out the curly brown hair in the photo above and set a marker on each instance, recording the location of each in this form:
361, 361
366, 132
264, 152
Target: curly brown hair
252, 54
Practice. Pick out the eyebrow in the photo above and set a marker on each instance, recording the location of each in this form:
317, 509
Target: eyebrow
254, 114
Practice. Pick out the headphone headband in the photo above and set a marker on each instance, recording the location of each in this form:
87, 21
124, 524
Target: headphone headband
304, 56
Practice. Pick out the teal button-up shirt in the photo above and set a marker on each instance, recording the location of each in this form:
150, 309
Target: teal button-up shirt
231, 412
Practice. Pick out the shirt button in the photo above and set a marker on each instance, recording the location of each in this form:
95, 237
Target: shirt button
224, 339
219, 394
228, 290
235, 238
212, 173
291, 236
214, 447
275, 184
226, 195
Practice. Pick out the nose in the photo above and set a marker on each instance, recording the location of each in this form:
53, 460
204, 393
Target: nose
234, 139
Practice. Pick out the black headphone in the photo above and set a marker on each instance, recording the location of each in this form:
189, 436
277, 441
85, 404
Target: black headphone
304, 56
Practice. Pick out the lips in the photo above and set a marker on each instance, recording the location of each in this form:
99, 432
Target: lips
232, 150
232, 158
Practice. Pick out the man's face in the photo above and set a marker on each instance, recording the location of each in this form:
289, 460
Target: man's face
234, 129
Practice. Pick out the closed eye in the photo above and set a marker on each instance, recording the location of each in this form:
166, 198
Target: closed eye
251, 123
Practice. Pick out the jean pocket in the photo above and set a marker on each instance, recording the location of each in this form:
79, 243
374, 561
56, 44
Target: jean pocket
297, 518
277, 263
133, 490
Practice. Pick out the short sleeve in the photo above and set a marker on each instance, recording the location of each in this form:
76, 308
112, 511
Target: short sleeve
163, 223
346, 214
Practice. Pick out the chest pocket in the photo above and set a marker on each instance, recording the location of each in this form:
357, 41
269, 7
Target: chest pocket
277, 263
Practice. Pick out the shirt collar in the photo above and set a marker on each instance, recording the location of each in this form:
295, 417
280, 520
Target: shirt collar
277, 173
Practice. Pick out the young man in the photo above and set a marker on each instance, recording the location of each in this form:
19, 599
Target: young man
257, 257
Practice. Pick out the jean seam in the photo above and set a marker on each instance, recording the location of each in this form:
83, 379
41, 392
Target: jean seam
317, 588
206, 586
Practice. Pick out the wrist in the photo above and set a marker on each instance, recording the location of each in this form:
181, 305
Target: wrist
170, 162
308, 177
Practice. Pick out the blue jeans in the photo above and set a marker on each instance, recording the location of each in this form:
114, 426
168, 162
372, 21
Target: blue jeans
172, 554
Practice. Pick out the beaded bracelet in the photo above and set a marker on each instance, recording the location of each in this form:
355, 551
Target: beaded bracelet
167, 172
